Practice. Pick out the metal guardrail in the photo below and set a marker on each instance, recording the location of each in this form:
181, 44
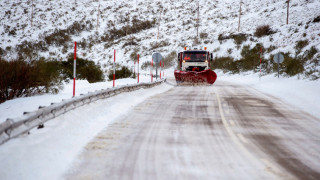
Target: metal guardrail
12, 128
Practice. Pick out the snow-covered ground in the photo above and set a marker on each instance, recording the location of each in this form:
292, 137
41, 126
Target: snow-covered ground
15, 108
47, 153
61, 140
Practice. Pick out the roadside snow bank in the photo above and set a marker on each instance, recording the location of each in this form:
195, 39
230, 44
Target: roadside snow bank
302, 94
15, 108
47, 153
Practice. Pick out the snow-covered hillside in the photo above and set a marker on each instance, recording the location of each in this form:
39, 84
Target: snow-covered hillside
89, 22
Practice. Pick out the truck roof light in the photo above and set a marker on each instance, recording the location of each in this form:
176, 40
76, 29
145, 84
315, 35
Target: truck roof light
185, 48
205, 48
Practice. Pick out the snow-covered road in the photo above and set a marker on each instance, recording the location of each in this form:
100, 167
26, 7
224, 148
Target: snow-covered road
239, 128
225, 131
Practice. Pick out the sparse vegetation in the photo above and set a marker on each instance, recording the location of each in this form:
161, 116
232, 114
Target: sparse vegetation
316, 19
123, 72
203, 35
249, 61
300, 45
226, 64
292, 66
263, 31
169, 60
309, 54
2, 52
136, 27
156, 45
125, 30
145, 65
239, 38
222, 37
86, 69
20, 78
134, 55
271, 48
131, 42
58, 38
250, 57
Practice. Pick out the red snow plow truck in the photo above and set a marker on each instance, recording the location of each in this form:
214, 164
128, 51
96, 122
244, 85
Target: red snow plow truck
194, 67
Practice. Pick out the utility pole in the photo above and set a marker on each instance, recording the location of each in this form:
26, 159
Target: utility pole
239, 16
31, 12
98, 16
288, 1
197, 25
198, 18
159, 24
128, 21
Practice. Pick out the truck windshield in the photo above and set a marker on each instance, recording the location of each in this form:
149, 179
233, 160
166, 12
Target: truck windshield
194, 56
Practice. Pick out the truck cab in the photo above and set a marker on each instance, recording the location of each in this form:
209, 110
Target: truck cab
194, 60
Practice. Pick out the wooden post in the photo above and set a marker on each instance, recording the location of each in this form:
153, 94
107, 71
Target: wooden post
98, 16
288, 1
198, 19
31, 12
239, 16
159, 25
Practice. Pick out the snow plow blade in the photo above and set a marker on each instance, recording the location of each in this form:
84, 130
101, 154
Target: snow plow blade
207, 76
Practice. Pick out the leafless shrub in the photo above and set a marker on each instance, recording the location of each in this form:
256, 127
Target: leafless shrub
263, 31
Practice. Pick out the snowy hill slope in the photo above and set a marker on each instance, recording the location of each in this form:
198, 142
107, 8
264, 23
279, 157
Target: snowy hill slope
92, 22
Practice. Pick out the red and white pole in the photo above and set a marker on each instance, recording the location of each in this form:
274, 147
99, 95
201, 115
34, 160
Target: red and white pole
114, 68
160, 69
138, 68
151, 71
260, 60
163, 68
74, 68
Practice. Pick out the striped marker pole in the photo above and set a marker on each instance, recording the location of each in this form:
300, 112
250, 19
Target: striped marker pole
138, 68
134, 69
151, 70
163, 69
160, 69
114, 68
74, 68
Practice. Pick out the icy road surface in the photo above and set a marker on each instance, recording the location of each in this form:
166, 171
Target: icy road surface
222, 131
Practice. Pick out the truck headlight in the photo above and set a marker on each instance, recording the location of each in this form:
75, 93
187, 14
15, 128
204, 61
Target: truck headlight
183, 61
